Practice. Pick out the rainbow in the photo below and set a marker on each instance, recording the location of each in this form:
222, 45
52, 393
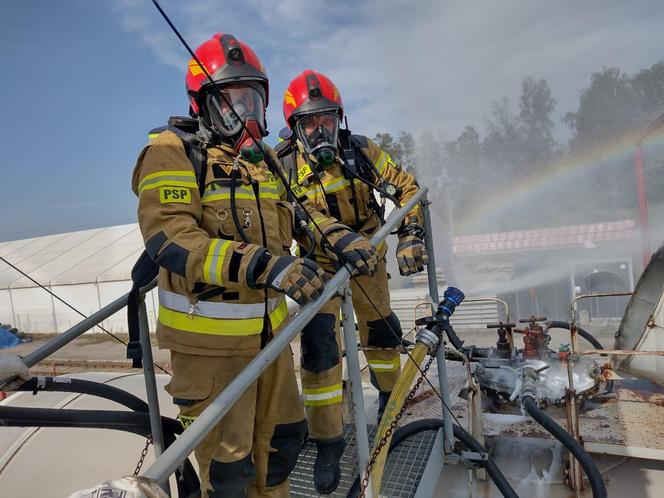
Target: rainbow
537, 184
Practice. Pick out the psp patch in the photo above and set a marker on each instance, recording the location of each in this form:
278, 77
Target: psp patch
186, 420
174, 194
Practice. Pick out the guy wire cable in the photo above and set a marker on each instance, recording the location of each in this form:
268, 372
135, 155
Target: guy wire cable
72, 308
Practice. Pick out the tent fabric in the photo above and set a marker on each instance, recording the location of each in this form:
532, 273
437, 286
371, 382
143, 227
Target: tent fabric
88, 269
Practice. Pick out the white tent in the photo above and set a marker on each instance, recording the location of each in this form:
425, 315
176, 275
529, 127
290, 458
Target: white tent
88, 269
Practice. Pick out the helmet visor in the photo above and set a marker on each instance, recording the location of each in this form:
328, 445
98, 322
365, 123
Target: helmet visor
247, 102
318, 130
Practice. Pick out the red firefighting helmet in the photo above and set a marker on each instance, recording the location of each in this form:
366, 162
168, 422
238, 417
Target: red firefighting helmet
228, 60
311, 92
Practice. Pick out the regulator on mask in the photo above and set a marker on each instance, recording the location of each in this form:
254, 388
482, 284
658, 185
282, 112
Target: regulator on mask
224, 118
318, 133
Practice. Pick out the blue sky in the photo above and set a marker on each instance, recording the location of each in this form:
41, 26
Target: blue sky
83, 81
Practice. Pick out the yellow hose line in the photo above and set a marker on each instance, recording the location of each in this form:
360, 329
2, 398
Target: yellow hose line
394, 404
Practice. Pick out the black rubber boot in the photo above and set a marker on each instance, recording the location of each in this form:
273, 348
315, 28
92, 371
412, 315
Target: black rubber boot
326, 469
383, 398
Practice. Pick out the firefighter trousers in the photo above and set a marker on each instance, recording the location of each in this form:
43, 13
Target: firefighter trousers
321, 366
253, 449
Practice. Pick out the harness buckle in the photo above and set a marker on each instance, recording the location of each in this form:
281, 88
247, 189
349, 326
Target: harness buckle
192, 311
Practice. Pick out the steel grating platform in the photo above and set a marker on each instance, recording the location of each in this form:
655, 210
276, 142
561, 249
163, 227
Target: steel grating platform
403, 470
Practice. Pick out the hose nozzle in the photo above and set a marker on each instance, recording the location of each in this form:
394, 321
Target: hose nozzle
451, 299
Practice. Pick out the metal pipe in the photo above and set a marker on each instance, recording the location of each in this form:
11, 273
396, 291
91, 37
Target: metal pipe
166, 464
620, 352
576, 479
440, 354
493, 299
151, 385
572, 307
81, 327
355, 379
643, 204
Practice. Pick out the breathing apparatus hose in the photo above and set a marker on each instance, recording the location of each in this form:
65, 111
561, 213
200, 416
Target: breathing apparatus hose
433, 424
236, 220
558, 324
394, 404
586, 461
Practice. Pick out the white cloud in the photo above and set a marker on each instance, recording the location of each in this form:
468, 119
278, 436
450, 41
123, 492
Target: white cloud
417, 65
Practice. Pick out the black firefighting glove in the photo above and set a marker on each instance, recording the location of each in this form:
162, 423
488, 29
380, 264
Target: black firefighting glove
300, 279
411, 253
354, 249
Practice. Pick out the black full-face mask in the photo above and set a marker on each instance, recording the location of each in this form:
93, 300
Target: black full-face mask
318, 133
248, 102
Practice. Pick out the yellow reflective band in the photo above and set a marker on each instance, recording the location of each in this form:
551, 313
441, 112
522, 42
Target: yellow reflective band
221, 326
186, 420
174, 194
168, 179
279, 315
336, 185
392, 365
317, 221
266, 190
321, 396
382, 162
153, 135
214, 261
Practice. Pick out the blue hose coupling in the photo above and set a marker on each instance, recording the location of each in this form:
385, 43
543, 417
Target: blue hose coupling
452, 297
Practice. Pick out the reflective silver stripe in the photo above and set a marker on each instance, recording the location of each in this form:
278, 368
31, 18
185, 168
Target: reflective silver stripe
335, 185
210, 309
382, 162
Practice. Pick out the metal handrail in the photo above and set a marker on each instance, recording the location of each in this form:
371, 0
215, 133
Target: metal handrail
574, 341
166, 464
81, 327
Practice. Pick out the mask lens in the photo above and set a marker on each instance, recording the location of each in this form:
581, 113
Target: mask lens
247, 102
318, 130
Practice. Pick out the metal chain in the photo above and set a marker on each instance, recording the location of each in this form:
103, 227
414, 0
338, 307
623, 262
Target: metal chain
144, 453
393, 426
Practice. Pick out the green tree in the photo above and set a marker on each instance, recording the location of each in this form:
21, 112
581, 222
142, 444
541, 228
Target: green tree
386, 142
406, 147
536, 126
649, 86
608, 108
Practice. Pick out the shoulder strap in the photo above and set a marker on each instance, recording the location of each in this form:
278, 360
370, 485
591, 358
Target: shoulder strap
186, 129
287, 154
144, 271
365, 166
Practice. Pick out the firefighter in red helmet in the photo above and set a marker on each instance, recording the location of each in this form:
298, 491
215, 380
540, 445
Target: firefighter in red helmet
217, 221
337, 173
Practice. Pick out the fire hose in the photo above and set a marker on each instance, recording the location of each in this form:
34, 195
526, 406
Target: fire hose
594, 476
427, 343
